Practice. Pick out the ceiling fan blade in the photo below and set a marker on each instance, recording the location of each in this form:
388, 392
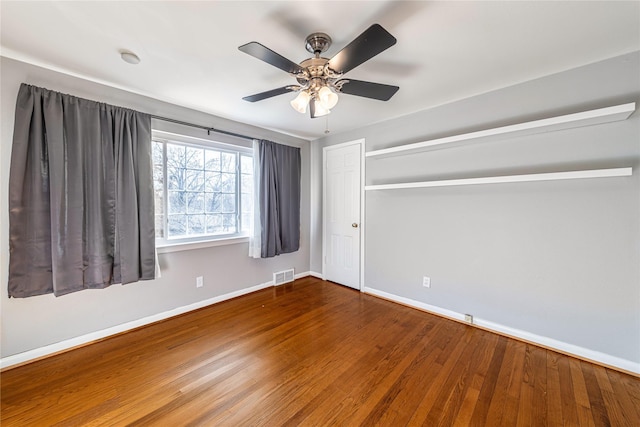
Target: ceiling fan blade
368, 89
371, 42
265, 54
270, 93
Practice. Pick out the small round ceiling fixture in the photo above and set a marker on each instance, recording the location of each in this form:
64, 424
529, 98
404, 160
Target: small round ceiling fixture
129, 57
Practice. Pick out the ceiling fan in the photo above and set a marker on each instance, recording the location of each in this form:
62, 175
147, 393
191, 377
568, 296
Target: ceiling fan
320, 79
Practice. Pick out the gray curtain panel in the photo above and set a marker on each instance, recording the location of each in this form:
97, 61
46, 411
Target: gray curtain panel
279, 198
81, 206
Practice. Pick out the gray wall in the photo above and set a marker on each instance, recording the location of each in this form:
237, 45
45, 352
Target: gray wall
34, 322
558, 259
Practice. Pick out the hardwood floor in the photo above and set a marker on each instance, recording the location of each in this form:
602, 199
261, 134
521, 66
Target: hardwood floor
315, 353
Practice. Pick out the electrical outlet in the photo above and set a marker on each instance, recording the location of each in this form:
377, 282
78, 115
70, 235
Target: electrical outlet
199, 282
426, 282
468, 318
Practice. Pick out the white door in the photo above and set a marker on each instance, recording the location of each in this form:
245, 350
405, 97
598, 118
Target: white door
341, 201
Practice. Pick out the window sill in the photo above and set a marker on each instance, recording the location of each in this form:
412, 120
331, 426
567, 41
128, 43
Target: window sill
187, 246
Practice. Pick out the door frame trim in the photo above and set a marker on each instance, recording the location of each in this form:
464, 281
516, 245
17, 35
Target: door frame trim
360, 142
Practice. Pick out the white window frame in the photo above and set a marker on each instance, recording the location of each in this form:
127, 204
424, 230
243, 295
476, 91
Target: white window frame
165, 244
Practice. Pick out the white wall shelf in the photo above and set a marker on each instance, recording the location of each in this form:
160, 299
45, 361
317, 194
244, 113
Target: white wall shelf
594, 173
584, 118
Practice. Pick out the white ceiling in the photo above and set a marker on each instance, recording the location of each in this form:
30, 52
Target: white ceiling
445, 51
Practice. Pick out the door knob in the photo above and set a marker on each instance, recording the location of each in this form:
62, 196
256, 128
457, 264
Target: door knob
354, 225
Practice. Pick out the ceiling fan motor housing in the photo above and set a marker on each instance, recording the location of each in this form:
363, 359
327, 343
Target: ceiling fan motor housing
317, 75
317, 43
314, 68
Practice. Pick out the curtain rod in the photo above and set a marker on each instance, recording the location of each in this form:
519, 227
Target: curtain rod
207, 128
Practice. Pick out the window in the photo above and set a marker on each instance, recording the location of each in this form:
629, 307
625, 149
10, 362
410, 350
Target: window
203, 191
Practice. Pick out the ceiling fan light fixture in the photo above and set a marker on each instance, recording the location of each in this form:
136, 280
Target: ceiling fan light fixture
301, 101
328, 99
320, 110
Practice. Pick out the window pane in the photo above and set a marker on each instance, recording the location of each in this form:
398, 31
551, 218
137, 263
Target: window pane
196, 224
213, 202
175, 178
194, 158
159, 226
177, 225
195, 203
176, 156
214, 224
229, 223
246, 222
158, 200
228, 182
246, 183
177, 202
212, 181
212, 160
157, 176
228, 162
247, 201
156, 151
246, 164
194, 180
158, 187
228, 203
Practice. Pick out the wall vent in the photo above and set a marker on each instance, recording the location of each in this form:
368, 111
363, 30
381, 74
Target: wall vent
282, 277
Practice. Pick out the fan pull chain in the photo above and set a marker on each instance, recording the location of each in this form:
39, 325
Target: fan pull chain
326, 129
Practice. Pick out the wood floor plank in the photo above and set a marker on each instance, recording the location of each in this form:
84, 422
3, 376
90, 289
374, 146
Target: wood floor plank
579, 387
596, 401
625, 400
314, 353
488, 386
539, 409
508, 385
533, 404
567, 395
612, 405
465, 413
554, 392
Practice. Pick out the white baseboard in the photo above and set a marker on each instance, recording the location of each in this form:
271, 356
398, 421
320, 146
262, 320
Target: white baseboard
316, 275
413, 303
301, 275
97, 335
563, 347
